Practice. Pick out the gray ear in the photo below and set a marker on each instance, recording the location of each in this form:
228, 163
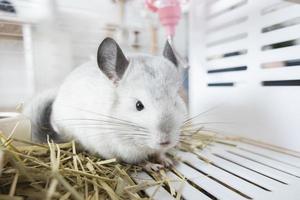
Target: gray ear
111, 60
169, 54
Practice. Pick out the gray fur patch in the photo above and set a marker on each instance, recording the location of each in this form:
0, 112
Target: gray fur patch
167, 123
43, 126
149, 70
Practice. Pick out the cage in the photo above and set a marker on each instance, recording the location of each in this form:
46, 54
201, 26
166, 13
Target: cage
243, 78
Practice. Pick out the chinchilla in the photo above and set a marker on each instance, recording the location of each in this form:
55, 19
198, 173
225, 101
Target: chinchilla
128, 108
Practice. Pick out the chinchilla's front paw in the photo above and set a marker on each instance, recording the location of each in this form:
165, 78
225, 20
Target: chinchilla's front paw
150, 166
158, 162
165, 161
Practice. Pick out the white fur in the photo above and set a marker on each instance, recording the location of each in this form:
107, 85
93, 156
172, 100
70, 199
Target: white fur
88, 94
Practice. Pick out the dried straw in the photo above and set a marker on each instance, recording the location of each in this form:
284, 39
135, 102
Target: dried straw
61, 171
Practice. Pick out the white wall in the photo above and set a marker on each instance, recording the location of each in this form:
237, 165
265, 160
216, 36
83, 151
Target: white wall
13, 85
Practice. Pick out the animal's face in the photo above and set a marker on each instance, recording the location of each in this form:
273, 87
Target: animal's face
147, 103
148, 96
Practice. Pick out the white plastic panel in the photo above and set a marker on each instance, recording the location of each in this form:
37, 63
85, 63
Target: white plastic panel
245, 63
236, 170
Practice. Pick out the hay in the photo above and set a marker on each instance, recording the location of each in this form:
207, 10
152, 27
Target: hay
61, 171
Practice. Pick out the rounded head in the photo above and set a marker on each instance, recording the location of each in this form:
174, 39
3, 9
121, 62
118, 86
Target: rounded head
147, 96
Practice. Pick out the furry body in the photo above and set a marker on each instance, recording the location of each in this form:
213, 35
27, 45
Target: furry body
101, 114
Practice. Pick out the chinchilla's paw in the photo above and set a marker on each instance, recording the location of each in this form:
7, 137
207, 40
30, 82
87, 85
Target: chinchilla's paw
149, 166
165, 161
160, 162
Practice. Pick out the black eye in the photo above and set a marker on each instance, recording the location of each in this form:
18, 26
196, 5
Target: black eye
139, 106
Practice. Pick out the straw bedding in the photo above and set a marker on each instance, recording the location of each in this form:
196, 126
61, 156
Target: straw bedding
62, 171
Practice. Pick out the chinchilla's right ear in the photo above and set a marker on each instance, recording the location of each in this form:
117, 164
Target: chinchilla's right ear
111, 60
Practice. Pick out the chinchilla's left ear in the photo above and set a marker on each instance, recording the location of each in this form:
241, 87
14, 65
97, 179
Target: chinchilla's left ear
169, 54
111, 60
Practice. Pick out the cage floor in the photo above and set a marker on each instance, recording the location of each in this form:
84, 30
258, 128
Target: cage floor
240, 169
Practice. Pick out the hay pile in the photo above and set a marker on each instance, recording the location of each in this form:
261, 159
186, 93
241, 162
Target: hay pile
61, 171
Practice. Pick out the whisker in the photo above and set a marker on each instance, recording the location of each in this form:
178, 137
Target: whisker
96, 113
117, 131
106, 126
122, 135
211, 130
99, 120
202, 113
203, 123
195, 130
129, 135
111, 129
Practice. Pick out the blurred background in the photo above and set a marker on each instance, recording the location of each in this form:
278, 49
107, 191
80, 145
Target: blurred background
41, 41
244, 55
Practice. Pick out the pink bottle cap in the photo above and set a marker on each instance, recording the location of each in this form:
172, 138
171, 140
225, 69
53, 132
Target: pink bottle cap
169, 13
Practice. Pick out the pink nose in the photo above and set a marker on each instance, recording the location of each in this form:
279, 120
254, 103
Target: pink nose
165, 143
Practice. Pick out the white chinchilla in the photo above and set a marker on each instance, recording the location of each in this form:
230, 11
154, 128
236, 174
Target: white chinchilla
118, 107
